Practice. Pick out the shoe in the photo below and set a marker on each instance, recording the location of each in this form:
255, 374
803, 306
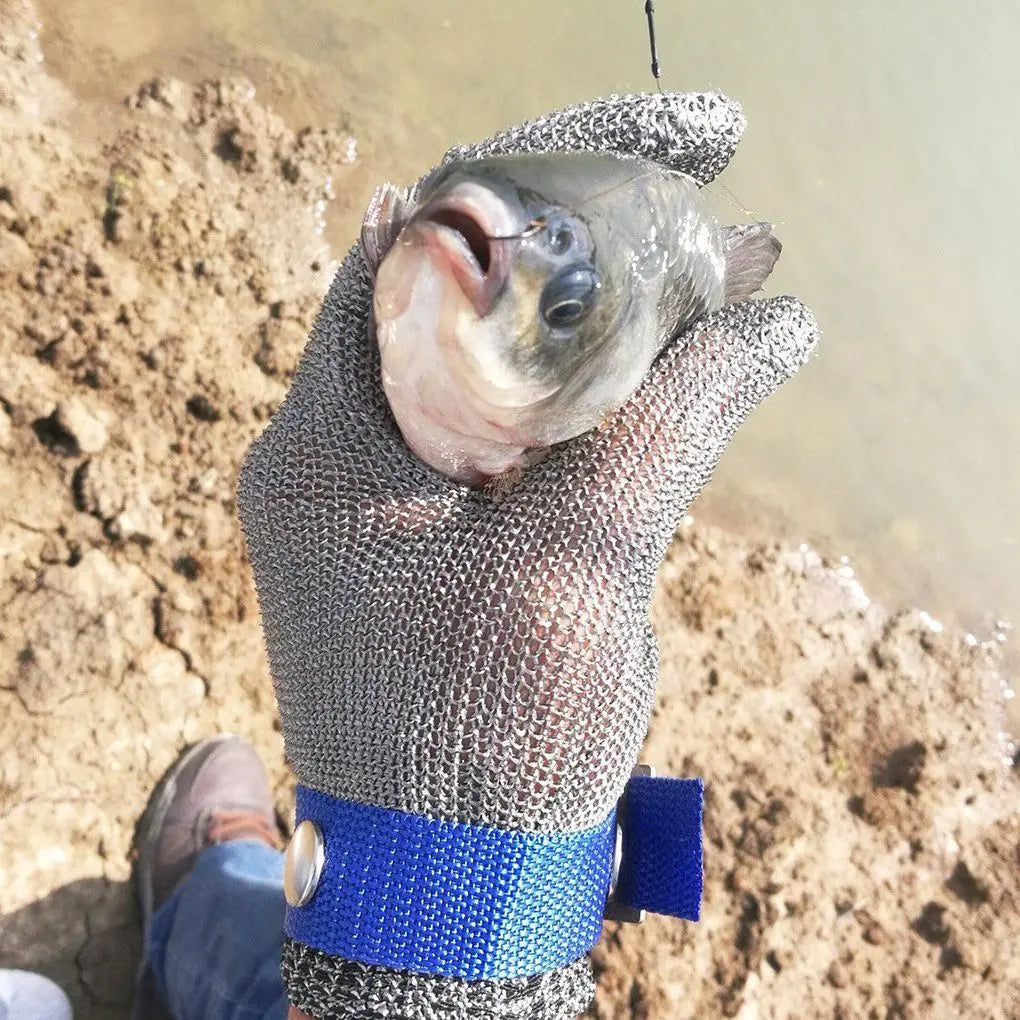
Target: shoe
217, 791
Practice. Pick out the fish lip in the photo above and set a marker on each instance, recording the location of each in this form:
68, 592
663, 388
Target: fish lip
482, 285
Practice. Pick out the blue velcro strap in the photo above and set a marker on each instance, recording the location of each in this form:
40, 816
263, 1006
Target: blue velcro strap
467, 901
661, 861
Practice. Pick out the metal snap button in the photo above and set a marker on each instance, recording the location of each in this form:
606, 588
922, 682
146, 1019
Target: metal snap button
302, 866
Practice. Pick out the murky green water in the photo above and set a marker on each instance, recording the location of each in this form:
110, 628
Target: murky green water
883, 142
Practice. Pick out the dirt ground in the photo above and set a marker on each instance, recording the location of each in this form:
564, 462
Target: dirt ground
160, 263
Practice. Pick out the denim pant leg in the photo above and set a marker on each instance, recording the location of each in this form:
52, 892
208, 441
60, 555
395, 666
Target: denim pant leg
214, 946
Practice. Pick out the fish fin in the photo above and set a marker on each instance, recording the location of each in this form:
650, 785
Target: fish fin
751, 252
497, 487
388, 211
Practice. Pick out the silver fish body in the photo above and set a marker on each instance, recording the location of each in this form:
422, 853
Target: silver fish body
519, 300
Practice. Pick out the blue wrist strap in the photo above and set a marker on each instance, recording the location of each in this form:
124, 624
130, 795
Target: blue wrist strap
661, 867
477, 902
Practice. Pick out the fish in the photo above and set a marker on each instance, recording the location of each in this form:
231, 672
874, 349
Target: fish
519, 300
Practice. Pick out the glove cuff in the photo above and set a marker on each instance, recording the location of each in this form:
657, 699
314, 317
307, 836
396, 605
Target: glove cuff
452, 920
455, 900
328, 988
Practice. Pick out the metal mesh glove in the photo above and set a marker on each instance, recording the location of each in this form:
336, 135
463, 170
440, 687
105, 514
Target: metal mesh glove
487, 661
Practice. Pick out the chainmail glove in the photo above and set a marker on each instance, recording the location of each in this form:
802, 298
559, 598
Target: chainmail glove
483, 661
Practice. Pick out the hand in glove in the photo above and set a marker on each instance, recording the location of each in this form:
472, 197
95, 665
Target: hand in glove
441, 657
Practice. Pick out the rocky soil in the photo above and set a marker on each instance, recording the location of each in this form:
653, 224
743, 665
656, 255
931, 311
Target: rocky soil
160, 263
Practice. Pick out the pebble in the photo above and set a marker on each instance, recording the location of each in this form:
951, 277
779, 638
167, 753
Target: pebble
202, 408
14, 252
88, 429
140, 519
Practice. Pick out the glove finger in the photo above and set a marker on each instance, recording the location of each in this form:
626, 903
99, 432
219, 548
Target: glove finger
693, 132
657, 452
334, 432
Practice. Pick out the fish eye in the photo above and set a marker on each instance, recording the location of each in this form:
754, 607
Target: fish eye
560, 240
569, 296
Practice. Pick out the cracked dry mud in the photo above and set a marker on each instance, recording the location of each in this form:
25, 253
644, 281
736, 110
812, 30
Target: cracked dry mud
159, 267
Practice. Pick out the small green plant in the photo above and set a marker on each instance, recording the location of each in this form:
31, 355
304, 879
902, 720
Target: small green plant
117, 188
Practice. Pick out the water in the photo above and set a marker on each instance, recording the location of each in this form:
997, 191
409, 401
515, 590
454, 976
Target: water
883, 143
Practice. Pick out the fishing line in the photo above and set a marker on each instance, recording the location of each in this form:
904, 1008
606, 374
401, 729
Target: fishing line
730, 199
530, 230
541, 222
650, 15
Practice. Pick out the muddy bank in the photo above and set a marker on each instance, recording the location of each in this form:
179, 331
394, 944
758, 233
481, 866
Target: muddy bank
160, 262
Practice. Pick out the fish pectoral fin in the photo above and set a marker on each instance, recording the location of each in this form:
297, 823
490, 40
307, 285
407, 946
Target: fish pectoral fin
751, 252
388, 211
498, 486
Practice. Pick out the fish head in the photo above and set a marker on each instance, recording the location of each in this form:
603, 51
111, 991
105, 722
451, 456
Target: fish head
509, 286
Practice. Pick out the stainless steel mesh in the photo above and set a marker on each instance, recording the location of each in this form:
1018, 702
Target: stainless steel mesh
440, 652
331, 989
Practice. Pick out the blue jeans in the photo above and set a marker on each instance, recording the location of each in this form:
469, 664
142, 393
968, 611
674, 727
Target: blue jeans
214, 946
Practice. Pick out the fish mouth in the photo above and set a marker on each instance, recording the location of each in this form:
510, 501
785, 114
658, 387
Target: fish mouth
467, 232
